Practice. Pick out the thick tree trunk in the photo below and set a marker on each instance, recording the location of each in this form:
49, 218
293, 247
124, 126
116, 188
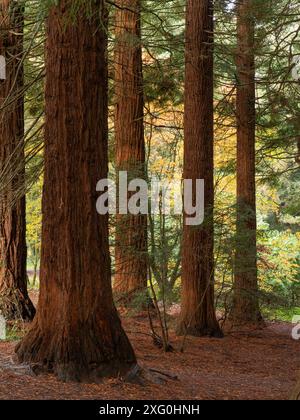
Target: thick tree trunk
14, 300
77, 333
131, 231
246, 302
198, 313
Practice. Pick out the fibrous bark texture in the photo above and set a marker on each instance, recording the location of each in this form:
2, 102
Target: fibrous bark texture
246, 302
198, 316
77, 333
14, 300
131, 230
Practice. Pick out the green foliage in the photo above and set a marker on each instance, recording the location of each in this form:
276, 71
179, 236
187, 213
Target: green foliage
281, 314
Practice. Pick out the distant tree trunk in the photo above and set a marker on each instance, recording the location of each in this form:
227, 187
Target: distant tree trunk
77, 333
14, 300
246, 302
198, 316
131, 231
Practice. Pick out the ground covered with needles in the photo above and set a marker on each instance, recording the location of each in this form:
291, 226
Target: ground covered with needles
252, 365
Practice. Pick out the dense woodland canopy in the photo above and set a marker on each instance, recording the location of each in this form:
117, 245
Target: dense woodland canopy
176, 89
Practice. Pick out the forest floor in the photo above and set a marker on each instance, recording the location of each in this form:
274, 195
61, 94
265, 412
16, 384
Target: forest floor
257, 365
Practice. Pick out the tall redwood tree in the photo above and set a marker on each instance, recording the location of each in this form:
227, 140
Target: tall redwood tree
131, 231
77, 333
14, 300
246, 303
198, 313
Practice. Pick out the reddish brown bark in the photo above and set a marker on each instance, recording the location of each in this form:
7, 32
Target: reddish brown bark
198, 313
77, 333
131, 231
14, 300
246, 303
